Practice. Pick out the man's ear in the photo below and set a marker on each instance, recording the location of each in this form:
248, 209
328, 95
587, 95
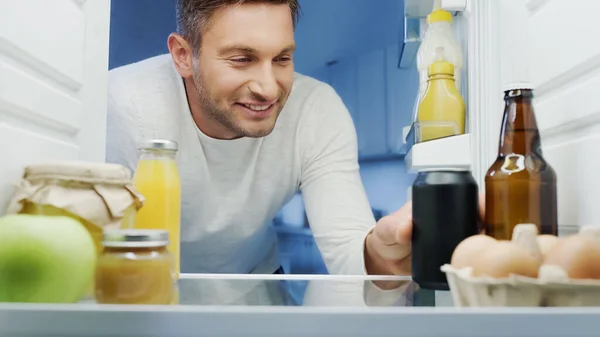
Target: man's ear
182, 54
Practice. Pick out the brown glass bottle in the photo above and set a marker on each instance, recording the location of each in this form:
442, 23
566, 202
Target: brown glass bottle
520, 186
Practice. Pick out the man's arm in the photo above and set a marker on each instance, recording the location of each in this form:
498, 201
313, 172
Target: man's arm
336, 203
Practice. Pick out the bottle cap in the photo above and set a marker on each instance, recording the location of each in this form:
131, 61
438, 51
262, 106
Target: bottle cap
517, 85
439, 15
159, 144
440, 65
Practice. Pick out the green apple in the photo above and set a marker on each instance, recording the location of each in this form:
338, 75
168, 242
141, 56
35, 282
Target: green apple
45, 259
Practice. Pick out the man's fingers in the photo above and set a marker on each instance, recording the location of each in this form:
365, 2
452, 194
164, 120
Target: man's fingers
396, 227
392, 229
386, 229
406, 209
392, 252
404, 229
390, 239
401, 267
392, 234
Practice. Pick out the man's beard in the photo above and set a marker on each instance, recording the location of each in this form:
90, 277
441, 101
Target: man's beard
227, 117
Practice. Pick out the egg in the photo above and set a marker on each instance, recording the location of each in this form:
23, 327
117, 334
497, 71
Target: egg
505, 258
546, 242
470, 247
578, 255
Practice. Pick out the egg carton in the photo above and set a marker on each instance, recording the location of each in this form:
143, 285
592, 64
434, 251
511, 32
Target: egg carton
552, 288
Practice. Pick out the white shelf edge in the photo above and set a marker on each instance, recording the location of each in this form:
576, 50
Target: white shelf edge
451, 152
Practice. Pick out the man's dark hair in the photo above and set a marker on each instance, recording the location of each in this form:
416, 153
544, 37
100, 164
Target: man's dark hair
193, 16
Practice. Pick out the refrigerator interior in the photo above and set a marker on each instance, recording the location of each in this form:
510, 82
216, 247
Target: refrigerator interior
364, 52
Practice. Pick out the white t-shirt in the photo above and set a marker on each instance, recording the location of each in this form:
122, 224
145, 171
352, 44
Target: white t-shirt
232, 189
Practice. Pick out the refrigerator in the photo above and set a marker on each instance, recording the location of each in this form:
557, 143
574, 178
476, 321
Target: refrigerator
456, 151
63, 59
500, 40
545, 43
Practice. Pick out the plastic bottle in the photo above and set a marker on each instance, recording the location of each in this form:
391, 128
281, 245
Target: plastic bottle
441, 111
439, 34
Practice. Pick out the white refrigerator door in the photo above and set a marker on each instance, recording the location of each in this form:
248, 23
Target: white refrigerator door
53, 77
552, 43
564, 58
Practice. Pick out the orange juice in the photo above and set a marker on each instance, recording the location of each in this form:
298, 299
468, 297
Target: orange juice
157, 179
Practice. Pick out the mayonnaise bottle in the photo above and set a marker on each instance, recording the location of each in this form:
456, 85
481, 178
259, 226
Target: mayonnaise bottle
439, 34
441, 112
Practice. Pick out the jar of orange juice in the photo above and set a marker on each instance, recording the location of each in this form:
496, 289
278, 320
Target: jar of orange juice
135, 267
157, 178
98, 195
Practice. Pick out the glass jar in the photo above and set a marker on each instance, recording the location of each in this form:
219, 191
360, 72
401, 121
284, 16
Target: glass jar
100, 196
157, 178
135, 267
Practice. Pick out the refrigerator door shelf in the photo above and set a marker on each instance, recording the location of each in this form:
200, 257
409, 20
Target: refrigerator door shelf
445, 153
421, 8
454, 5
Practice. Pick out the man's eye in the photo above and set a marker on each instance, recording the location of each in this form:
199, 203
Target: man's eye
242, 60
284, 59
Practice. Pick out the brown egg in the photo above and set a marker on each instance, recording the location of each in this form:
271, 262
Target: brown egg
546, 242
505, 258
469, 248
578, 255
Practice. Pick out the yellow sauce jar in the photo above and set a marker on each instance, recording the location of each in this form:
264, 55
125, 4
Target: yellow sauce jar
100, 196
135, 267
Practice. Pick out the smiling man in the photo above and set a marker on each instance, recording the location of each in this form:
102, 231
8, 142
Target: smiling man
251, 133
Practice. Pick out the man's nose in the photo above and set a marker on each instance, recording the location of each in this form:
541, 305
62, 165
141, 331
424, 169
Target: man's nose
265, 84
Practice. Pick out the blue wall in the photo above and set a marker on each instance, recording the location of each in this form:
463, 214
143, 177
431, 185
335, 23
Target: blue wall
386, 184
139, 29
333, 29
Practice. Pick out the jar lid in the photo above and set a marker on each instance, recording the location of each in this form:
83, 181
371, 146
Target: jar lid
159, 144
79, 171
138, 238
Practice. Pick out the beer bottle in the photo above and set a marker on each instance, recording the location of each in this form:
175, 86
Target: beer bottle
520, 186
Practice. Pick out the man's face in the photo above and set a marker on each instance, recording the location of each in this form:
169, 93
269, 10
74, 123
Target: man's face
244, 72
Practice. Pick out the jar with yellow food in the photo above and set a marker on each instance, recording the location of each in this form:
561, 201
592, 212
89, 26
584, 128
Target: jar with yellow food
100, 196
135, 267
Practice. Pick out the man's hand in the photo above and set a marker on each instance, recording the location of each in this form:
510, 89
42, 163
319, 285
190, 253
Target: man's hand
388, 247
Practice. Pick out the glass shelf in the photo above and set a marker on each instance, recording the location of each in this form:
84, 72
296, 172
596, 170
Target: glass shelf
297, 306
